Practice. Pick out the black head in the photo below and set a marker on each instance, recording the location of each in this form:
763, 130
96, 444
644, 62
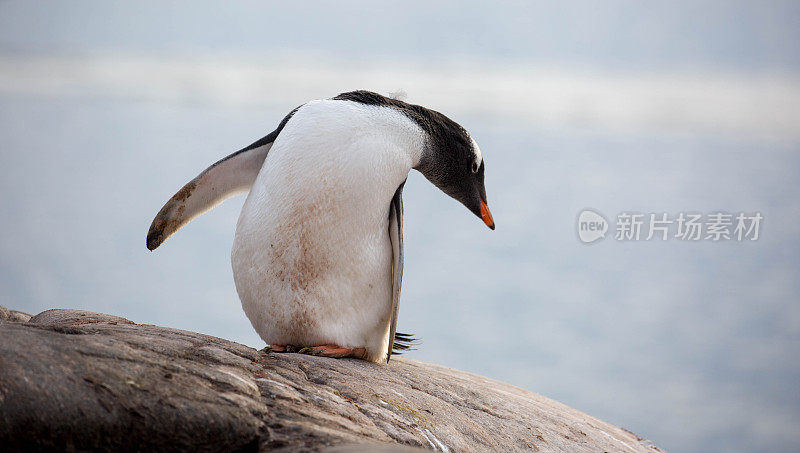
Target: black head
451, 160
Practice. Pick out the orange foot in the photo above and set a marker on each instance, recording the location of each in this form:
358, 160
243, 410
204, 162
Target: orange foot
332, 350
282, 348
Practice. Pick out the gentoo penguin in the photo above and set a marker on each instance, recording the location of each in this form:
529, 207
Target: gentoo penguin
318, 252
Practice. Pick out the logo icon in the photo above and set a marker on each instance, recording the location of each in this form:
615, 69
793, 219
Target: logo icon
591, 226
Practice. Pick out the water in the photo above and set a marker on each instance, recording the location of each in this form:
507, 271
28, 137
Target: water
688, 344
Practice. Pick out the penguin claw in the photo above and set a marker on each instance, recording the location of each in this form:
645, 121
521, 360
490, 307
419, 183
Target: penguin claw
334, 351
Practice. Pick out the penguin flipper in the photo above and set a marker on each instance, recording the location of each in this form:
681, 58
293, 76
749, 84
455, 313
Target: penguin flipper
230, 176
396, 237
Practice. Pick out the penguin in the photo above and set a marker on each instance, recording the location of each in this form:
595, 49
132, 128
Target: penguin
317, 255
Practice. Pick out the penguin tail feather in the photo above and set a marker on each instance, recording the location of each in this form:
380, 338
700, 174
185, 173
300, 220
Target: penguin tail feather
404, 342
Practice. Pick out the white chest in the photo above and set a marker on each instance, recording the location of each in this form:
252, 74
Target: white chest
312, 246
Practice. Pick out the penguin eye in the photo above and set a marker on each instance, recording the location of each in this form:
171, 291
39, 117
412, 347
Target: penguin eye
474, 167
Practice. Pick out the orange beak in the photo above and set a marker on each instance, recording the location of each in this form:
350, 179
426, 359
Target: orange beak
486, 215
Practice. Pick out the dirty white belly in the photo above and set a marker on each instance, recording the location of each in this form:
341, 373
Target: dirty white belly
312, 255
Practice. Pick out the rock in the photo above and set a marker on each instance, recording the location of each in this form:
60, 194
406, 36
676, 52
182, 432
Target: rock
13, 315
76, 380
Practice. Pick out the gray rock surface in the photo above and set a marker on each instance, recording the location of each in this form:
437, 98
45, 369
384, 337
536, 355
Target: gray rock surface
75, 380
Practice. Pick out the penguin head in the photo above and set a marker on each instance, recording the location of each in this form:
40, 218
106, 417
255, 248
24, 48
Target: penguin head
452, 161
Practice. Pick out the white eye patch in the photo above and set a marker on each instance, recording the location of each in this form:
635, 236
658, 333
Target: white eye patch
477, 150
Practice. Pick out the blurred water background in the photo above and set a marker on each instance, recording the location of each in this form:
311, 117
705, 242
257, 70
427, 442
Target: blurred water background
107, 108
